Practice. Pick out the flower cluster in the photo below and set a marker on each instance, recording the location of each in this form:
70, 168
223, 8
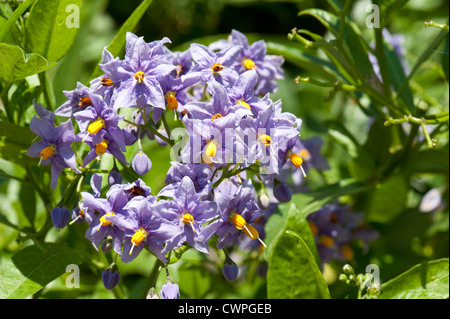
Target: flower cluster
336, 228
234, 134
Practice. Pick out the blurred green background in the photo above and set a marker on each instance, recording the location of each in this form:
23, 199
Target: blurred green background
408, 239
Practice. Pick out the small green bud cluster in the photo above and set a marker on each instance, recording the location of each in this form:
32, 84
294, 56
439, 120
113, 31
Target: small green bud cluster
350, 278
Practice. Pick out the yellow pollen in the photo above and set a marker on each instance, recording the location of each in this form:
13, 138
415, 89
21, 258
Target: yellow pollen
244, 104
188, 219
248, 64
211, 149
104, 221
139, 236
47, 152
265, 139
106, 82
313, 228
179, 70
84, 101
172, 101
96, 126
216, 116
139, 76
347, 252
297, 160
217, 67
238, 221
327, 241
100, 148
304, 153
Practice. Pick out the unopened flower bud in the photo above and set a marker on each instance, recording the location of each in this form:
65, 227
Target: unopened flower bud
114, 176
60, 217
111, 277
152, 294
263, 200
170, 290
343, 277
230, 270
282, 193
107, 245
141, 163
347, 269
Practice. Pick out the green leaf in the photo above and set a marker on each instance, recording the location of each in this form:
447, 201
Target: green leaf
428, 280
27, 198
6, 28
117, 45
429, 161
357, 49
387, 199
51, 29
293, 272
362, 164
14, 143
30, 269
196, 280
397, 76
15, 64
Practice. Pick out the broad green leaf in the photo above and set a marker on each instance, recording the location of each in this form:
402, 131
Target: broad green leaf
27, 198
52, 26
362, 164
387, 199
429, 161
117, 45
293, 272
31, 268
428, 280
296, 222
15, 64
196, 280
14, 143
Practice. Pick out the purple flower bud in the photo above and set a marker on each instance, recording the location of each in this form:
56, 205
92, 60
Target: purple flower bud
282, 193
60, 217
141, 163
114, 176
111, 277
170, 290
230, 270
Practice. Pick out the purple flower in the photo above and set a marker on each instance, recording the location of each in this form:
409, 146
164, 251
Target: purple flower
131, 190
335, 227
137, 75
255, 57
141, 163
54, 147
141, 227
60, 217
214, 67
200, 175
98, 119
170, 290
78, 100
188, 213
107, 145
114, 176
102, 225
238, 210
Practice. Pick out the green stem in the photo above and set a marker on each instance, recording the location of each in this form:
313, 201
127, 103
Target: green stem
381, 58
437, 25
152, 277
6, 104
14, 17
